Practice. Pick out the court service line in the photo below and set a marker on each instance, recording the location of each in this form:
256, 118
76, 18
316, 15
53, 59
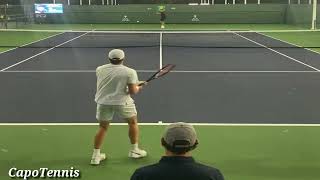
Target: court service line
164, 124
151, 71
31, 42
43, 52
287, 42
160, 50
276, 51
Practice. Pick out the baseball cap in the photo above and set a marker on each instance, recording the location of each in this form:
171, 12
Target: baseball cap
180, 135
116, 54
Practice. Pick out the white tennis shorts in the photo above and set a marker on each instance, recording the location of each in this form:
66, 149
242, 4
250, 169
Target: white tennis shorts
106, 112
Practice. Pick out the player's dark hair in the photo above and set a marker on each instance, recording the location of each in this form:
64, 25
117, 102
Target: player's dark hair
116, 61
180, 146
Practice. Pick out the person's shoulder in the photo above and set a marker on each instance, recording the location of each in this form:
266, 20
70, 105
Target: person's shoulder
102, 67
147, 169
99, 68
206, 166
210, 170
129, 70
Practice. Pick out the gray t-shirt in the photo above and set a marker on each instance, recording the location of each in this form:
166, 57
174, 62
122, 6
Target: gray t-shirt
112, 84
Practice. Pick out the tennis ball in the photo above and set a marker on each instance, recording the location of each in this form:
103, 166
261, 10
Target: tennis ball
138, 21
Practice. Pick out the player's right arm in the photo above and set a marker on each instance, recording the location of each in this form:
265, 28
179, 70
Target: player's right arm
133, 83
134, 88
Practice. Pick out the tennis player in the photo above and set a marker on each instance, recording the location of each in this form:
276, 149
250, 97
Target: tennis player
162, 17
115, 84
3, 21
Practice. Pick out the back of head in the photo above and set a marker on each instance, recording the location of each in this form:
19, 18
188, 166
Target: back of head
116, 56
161, 8
179, 138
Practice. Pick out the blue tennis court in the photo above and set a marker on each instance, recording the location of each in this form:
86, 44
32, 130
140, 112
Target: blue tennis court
221, 77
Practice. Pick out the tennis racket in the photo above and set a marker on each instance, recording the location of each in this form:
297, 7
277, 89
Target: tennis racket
163, 71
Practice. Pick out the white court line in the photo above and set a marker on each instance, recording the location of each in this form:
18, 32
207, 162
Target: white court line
164, 31
38, 30
150, 71
288, 42
43, 52
66, 71
277, 52
160, 50
246, 71
161, 124
31, 43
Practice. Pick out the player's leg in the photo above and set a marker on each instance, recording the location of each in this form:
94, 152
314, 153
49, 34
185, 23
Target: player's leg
1, 21
162, 24
129, 113
135, 151
133, 132
97, 156
98, 139
104, 116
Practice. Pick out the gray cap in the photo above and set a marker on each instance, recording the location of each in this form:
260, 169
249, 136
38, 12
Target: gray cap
179, 132
116, 54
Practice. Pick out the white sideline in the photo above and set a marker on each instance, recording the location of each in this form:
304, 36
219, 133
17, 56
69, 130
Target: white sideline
160, 64
277, 52
31, 42
162, 124
288, 42
43, 52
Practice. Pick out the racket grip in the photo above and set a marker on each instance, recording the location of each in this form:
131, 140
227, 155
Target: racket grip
143, 83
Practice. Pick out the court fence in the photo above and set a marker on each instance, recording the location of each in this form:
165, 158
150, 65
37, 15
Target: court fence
296, 14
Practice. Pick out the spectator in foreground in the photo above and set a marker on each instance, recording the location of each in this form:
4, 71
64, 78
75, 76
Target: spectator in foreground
178, 140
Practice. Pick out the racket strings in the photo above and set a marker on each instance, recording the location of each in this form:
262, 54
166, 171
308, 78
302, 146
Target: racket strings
165, 70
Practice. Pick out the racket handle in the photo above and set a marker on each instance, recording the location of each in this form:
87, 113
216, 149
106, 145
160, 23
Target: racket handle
143, 83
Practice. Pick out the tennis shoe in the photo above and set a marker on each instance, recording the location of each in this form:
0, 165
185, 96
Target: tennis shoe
97, 159
137, 153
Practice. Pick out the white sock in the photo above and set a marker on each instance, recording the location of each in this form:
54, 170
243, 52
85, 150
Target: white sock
134, 146
96, 152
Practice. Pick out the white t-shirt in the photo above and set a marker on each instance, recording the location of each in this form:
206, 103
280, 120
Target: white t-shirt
112, 84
